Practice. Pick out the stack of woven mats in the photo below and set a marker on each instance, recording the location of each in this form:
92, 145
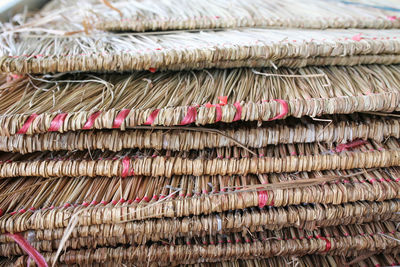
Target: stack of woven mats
248, 133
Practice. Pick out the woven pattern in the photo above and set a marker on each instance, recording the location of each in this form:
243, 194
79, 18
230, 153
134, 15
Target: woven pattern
180, 139
210, 194
230, 161
251, 95
258, 245
171, 132
129, 15
272, 219
307, 260
247, 48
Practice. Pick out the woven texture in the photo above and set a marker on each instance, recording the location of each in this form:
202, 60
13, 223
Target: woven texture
76, 102
339, 131
131, 15
342, 240
171, 132
110, 52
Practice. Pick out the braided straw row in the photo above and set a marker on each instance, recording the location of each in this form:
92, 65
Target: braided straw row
159, 24
189, 139
203, 97
118, 210
307, 260
248, 47
373, 237
140, 16
386, 102
169, 166
147, 91
303, 261
334, 235
309, 217
12, 249
283, 189
127, 62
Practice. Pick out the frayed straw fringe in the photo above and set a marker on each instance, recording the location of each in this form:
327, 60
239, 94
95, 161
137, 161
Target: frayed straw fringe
103, 201
328, 90
226, 161
260, 244
250, 111
344, 130
130, 15
308, 217
248, 47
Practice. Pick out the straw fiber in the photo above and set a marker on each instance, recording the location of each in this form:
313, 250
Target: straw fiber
129, 15
113, 52
220, 161
342, 240
251, 95
308, 217
371, 229
311, 260
333, 129
223, 133
303, 261
105, 200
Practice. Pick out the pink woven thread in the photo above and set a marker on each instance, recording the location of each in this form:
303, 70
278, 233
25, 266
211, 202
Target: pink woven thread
32, 252
90, 122
27, 123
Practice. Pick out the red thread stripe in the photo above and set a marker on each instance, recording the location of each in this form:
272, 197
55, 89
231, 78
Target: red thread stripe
344, 147
190, 116
223, 100
285, 109
33, 253
218, 110
208, 105
57, 122
27, 123
125, 167
357, 37
238, 114
328, 243
152, 117
262, 198
89, 123
120, 118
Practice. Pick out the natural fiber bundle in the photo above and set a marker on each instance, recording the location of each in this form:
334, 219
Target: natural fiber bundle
351, 240
113, 52
114, 168
101, 240
108, 201
308, 217
310, 260
74, 102
341, 130
131, 15
230, 14
220, 161
303, 261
